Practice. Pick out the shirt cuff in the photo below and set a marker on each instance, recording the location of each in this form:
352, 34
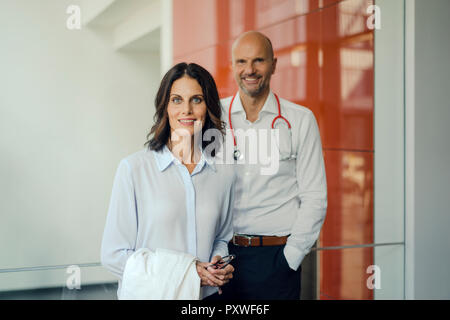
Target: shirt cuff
294, 257
220, 249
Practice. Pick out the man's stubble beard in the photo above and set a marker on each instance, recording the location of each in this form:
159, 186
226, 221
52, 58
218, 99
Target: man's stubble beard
255, 93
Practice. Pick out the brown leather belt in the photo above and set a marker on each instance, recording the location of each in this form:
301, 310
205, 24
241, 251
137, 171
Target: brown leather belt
243, 240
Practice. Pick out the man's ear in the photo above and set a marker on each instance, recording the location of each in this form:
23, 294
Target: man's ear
274, 65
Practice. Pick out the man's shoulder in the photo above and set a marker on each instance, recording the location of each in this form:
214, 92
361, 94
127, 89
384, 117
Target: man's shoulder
294, 107
225, 101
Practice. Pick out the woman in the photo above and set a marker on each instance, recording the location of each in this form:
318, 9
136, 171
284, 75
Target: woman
172, 195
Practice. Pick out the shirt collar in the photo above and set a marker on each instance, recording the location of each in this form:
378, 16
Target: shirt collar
204, 160
164, 158
209, 161
270, 105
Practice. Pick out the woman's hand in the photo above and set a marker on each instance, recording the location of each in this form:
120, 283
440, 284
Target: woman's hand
210, 276
206, 277
224, 274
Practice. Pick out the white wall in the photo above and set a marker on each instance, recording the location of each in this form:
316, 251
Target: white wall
432, 150
70, 108
389, 150
412, 149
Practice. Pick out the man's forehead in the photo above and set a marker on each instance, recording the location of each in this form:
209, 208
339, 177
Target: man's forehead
249, 54
251, 46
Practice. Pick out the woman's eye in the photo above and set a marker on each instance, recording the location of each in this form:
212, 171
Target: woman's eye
197, 100
176, 100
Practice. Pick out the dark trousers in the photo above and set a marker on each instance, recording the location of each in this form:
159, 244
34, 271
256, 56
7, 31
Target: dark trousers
261, 273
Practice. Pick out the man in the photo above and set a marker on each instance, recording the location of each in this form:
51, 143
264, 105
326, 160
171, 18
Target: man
277, 216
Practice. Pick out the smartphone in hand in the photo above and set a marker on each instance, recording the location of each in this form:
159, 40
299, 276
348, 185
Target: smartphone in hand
222, 263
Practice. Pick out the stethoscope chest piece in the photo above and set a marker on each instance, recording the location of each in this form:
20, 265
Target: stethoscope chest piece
237, 155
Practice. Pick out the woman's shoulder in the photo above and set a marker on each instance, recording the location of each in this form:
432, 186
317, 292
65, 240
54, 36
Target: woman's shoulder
138, 159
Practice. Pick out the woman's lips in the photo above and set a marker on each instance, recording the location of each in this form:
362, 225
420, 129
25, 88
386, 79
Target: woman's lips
187, 122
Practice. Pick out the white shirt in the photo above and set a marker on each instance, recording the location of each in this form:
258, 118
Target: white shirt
292, 201
156, 203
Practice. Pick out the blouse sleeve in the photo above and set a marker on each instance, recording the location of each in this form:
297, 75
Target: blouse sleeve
119, 236
225, 233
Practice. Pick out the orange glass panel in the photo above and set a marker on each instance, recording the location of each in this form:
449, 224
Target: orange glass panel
196, 25
270, 12
327, 3
344, 274
241, 16
349, 218
347, 76
207, 58
296, 44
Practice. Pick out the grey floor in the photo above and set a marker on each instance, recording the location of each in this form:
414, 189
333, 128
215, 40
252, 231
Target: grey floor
107, 291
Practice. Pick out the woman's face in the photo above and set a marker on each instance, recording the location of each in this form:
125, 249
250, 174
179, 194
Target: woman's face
187, 107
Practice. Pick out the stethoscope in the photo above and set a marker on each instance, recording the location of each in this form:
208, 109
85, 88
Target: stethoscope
237, 155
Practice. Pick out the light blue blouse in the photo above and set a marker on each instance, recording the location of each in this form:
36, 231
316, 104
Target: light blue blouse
156, 203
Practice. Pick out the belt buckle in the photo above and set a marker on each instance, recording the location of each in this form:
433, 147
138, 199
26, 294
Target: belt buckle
249, 238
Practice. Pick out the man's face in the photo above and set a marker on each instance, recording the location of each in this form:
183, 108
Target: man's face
253, 65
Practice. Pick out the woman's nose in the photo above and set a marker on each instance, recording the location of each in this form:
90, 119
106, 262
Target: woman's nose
187, 108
